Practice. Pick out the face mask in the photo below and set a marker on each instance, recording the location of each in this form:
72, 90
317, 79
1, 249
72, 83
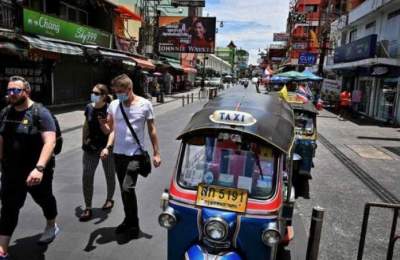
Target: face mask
94, 98
122, 97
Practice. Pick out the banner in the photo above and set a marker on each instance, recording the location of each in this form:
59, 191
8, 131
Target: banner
191, 3
307, 58
186, 34
41, 24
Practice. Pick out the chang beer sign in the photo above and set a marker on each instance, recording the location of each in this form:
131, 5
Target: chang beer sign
38, 23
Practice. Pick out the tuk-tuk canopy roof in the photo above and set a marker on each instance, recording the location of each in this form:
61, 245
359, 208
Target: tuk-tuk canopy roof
262, 116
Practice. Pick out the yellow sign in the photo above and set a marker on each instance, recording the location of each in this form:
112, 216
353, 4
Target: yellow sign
222, 198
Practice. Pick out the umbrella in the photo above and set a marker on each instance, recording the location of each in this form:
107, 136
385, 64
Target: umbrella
292, 75
157, 74
228, 76
308, 75
278, 79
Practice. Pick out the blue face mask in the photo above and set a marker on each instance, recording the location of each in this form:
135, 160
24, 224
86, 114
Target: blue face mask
122, 97
94, 98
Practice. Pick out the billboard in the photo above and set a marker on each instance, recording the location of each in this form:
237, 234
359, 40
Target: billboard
186, 34
281, 37
307, 58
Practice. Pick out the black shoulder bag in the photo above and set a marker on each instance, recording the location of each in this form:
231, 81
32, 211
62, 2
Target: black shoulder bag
145, 162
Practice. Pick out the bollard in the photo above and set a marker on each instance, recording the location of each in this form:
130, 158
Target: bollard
192, 97
187, 99
183, 101
210, 93
315, 233
199, 95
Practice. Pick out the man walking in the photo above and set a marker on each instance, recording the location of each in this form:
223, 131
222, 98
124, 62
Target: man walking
27, 141
139, 111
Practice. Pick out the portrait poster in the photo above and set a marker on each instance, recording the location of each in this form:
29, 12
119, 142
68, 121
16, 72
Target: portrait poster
187, 34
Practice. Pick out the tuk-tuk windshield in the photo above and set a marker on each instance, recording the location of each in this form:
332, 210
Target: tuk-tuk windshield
304, 123
228, 161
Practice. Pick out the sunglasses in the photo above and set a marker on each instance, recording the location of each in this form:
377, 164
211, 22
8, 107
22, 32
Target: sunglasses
96, 93
14, 91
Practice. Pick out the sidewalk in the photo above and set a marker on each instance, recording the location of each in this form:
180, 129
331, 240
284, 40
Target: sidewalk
375, 148
74, 119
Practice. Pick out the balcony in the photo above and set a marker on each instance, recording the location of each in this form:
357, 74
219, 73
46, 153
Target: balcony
366, 8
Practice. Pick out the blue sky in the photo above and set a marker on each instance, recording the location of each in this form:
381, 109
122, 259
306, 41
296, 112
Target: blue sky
249, 23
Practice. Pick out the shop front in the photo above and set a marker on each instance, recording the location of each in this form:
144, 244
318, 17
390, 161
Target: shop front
386, 99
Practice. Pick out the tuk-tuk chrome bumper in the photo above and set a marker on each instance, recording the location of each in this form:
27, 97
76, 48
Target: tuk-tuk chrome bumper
198, 252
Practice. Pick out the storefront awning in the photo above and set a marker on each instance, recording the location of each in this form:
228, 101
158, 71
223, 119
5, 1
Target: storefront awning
144, 64
127, 13
364, 63
113, 54
53, 47
189, 70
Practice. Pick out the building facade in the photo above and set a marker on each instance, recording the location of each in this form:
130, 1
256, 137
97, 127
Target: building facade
366, 57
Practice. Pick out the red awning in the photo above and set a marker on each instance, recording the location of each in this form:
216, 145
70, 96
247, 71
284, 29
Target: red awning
189, 70
127, 13
144, 64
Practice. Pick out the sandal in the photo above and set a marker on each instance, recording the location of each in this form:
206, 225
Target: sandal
86, 215
108, 205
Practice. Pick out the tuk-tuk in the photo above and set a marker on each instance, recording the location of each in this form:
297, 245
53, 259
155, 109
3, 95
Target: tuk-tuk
229, 189
305, 146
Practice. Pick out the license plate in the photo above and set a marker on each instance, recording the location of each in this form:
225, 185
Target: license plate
222, 198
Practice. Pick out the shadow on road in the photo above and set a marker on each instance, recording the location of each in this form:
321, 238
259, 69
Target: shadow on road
107, 235
28, 248
97, 213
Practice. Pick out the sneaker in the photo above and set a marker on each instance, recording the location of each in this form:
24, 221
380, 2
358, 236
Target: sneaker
49, 234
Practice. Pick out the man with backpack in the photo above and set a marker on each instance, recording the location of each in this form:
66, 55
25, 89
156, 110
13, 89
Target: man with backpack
27, 140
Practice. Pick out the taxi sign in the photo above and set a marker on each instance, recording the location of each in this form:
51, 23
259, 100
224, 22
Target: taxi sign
295, 99
230, 117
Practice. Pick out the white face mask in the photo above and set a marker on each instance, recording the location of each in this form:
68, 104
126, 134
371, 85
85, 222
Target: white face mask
94, 98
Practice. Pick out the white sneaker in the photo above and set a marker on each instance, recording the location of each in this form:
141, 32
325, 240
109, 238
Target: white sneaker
49, 234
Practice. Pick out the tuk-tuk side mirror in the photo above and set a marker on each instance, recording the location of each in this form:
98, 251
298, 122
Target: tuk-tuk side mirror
164, 199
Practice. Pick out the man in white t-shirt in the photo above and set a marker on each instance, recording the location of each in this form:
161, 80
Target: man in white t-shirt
125, 148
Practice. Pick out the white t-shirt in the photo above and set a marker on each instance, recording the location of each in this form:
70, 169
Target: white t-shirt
138, 114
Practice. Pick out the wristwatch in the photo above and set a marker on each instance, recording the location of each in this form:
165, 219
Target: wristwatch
40, 168
109, 147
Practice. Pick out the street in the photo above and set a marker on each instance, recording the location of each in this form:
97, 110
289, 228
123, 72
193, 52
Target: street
333, 187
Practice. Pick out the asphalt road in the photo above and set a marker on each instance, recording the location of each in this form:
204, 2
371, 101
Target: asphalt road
333, 187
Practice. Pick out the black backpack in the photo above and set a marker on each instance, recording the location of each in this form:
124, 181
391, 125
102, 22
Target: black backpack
36, 121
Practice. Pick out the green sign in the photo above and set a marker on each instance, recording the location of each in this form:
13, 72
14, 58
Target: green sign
49, 26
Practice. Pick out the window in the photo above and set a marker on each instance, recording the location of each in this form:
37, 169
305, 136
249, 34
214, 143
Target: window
353, 36
73, 14
311, 8
229, 161
370, 28
37, 5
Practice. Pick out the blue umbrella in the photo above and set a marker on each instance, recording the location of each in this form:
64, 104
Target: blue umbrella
279, 80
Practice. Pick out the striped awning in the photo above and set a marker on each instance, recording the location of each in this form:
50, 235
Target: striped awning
53, 47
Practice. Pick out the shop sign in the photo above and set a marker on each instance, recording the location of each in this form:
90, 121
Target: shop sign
191, 3
360, 49
38, 23
299, 45
281, 37
307, 58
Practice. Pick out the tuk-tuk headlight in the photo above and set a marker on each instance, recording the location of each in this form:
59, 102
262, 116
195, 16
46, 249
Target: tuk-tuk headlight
216, 229
271, 235
167, 219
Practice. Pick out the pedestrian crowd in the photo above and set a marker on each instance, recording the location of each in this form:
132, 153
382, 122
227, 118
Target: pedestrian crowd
113, 134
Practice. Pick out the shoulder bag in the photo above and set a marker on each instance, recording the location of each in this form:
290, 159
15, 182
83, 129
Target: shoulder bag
145, 162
